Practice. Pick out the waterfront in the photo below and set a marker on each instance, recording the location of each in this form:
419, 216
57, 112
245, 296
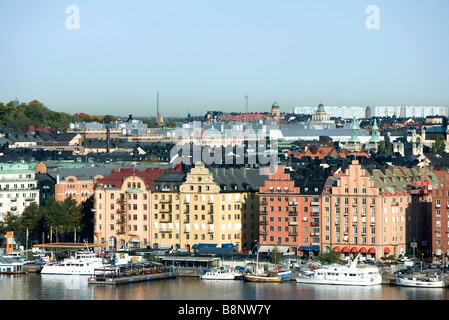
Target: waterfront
56, 287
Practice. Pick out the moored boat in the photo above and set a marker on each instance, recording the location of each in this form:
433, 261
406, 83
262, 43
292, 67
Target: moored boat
224, 274
272, 276
341, 275
84, 263
431, 282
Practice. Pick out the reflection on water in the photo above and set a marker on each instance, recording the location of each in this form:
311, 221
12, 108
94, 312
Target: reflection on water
59, 287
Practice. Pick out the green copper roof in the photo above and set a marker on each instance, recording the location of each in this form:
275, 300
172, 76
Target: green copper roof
375, 132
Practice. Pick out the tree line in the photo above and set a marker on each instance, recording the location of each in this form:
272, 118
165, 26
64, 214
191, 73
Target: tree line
55, 221
21, 117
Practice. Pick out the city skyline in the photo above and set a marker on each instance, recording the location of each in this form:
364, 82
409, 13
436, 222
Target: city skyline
204, 56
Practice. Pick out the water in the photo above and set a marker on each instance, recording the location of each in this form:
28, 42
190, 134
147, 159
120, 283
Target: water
57, 287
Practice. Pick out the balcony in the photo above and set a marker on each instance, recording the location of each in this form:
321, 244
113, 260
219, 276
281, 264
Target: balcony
165, 201
293, 213
293, 234
315, 203
166, 210
293, 223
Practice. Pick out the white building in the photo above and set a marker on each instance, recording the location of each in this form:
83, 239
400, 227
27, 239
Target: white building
359, 112
18, 188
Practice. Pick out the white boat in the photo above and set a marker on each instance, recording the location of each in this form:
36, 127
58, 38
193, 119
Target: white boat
225, 274
84, 263
341, 275
431, 282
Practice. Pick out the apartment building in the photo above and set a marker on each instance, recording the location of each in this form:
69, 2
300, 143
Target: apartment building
440, 217
367, 213
206, 206
122, 208
18, 188
290, 210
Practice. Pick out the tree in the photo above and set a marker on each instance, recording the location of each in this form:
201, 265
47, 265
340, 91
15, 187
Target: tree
439, 145
329, 257
276, 255
10, 223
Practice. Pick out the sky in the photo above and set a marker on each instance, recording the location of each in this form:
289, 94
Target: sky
203, 55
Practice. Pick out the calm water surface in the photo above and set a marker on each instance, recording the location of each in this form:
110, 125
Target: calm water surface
57, 287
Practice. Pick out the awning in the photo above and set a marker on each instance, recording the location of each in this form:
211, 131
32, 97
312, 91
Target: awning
372, 250
354, 250
337, 249
386, 250
228, 245
438, 252
345, 249
69, 245
309, 248
202, 245
362, 250
265, 248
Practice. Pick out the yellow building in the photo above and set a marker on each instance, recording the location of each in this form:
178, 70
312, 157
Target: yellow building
205, 206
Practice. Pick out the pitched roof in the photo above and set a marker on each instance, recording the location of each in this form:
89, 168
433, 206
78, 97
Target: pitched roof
117, 176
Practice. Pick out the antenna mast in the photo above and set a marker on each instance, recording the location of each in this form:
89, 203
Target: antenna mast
246, 107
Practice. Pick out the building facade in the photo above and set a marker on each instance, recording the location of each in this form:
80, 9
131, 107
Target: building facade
122, 208
365, 215
18, 189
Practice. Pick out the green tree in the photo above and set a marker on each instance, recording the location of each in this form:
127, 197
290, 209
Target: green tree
11, 223
329, 257
276, 255
439, 145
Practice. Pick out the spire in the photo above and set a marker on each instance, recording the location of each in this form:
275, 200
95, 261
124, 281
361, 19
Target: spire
375, 132
354, 132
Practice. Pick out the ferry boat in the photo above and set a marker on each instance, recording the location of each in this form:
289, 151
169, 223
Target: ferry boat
431, 282
225, 274
341, 275
84, 263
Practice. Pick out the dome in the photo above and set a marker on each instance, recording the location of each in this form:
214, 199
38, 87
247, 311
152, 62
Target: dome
320, 107
275, 105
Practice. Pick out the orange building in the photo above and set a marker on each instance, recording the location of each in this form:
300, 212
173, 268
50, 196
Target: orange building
290, 212
122, 208
364, 212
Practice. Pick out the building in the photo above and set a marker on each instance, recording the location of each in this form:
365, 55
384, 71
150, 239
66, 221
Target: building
440, 217
18, 188
364, 212
122, 208
290, 210
213, 206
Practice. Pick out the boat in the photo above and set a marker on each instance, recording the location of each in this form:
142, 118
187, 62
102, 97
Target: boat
285, 275
430, 282
271, 276
224, 274
258, 276
8, 266
84, 263
341, 275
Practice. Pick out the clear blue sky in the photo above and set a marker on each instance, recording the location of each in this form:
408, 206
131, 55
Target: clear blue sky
206, 55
